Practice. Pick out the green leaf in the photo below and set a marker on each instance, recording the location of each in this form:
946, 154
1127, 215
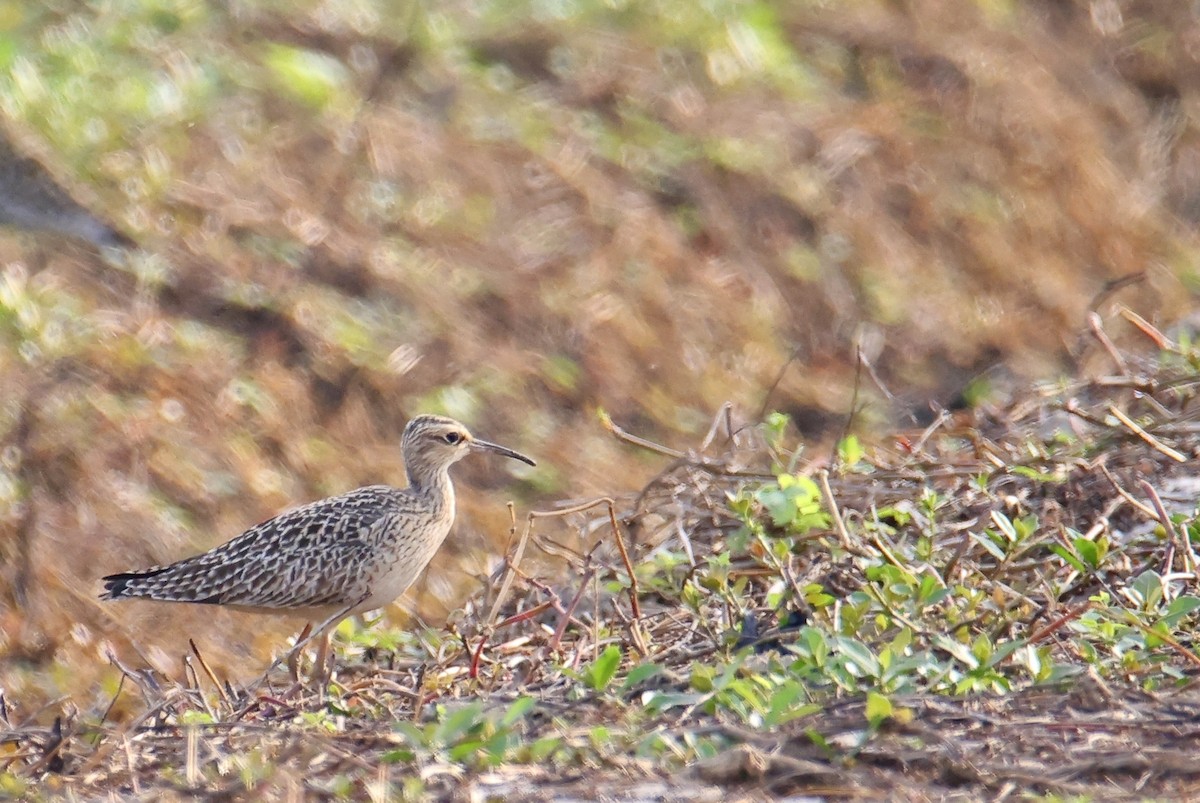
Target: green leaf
496, 747
1034, 474
398, 757
900, 516
657, 701
1149, 587
1026, 526
196, 718
822, 743
601, 671
640, 674
1005, 525
1088, 551
850, 451
464, 750
960, 651
517, 711
1065, 554
779, 505
860, 654
988, 544
459, 722
782, 708
775, 424
1182, 606
313, 78
600, 735
412, 734
879, 708
702, 677
999, 653
542, 749
816, 597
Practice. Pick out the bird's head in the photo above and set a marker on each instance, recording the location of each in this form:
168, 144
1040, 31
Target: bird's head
433, 443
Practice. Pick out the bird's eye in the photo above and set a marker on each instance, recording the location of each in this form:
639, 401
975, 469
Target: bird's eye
452, 437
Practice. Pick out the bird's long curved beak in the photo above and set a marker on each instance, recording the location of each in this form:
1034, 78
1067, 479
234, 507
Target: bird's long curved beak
486, 446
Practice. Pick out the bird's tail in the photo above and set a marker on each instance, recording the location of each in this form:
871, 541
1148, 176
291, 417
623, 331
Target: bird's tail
128, 585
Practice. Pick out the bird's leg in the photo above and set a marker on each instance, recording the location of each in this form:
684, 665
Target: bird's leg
293, 661
320, 676
324, 631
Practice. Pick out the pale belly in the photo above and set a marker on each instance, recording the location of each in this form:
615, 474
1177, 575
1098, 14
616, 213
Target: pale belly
392, 578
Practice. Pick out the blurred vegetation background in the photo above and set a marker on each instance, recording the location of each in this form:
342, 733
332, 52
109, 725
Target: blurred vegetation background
518, 214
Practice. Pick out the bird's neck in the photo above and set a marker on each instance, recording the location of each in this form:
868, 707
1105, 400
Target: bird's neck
433, 483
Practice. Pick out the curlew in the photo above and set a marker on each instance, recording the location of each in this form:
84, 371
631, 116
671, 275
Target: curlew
333, 558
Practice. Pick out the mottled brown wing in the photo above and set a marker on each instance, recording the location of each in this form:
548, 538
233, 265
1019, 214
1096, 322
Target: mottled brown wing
307, 557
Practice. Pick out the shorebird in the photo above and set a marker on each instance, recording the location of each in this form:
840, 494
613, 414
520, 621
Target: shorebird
330, 559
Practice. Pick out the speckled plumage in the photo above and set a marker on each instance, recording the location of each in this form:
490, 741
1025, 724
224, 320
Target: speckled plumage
353, 552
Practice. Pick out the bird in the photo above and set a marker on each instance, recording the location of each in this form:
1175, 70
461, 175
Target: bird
330, 559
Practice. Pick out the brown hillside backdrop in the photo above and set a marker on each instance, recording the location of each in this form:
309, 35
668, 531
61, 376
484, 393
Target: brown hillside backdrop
521, 214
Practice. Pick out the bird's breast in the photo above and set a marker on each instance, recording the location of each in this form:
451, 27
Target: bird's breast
403, 560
